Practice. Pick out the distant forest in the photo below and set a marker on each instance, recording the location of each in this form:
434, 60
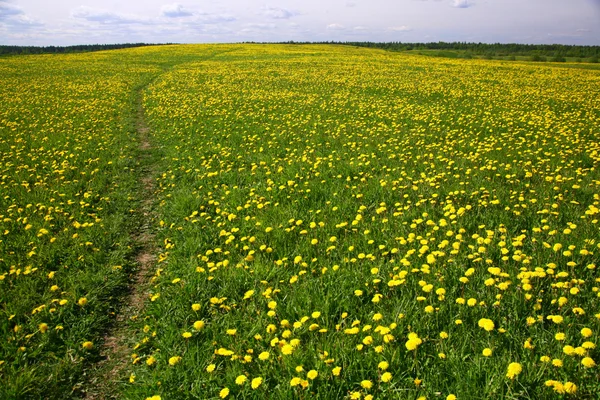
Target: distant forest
512, 51
67, 49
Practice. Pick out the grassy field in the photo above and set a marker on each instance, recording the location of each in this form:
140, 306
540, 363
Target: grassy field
331, 222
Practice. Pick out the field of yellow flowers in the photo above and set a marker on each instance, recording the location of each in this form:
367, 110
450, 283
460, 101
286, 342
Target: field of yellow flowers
331, 223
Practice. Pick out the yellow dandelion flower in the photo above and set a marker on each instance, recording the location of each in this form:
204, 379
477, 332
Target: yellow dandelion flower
198, 325
295, 381
256, 382
557, 363
366, 384
588, 362
586, 332
312, 374
513, 370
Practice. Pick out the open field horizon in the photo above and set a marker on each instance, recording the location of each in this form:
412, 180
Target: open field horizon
297, 221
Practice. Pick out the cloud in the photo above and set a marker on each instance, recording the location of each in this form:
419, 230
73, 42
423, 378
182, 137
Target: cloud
461, 4
14, 16
8, 10
279, 13
175, 10
335, 27
104, 17
259, 26
402, 28
214, 18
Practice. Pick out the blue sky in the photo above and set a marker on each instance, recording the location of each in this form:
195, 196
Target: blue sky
68, 22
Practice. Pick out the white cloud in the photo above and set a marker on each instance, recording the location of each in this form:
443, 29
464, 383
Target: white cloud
24, 21
15, 17
335, 27
175, 10
8, 10
461, 4
44, 22
402, 28
214, 18
279, 13
105, 17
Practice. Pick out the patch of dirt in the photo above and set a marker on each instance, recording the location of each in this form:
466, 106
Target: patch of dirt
103, 379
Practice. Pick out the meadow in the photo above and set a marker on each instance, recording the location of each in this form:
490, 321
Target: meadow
330, 222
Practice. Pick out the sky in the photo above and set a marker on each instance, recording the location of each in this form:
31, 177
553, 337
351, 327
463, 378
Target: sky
70, 22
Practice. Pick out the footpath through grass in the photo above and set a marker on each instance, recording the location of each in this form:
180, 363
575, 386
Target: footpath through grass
69, 210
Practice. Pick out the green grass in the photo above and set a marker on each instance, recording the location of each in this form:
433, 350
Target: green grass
347, 188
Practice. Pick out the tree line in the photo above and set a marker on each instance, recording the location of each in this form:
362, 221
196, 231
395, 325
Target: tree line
4, 49
534, 52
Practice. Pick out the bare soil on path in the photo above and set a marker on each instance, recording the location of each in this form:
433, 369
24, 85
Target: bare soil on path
103, 379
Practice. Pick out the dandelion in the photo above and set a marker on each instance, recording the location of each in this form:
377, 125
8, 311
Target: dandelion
287, 349
487, 352
336, 371
43, 327
174, 360
240, 380
224, 393
586, 332
588, 362
256, 382
486, 324
386, 377
557, 363
366, 384
88, 345
312, 374
513, 370
570, 388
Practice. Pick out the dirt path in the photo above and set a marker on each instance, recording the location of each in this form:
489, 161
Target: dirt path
103, 379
